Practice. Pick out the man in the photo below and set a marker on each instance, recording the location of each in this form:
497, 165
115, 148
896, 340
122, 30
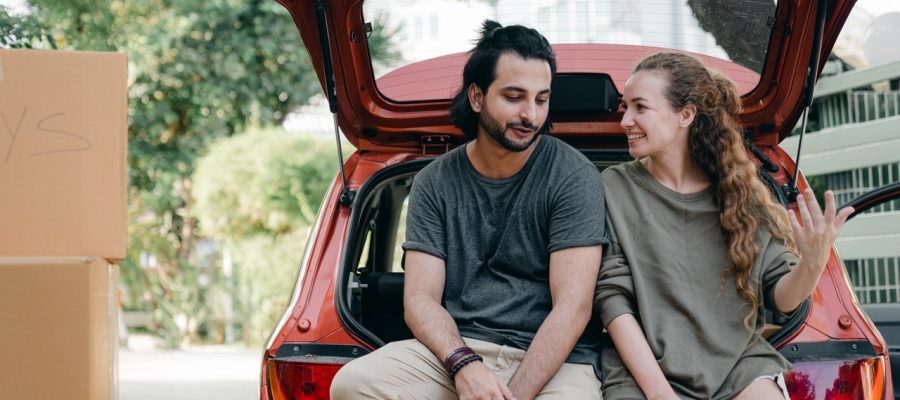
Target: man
503, 248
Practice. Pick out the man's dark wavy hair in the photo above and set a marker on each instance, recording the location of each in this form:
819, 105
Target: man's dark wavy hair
480, 69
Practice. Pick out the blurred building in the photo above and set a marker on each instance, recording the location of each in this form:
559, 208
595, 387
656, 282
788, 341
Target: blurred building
668, 24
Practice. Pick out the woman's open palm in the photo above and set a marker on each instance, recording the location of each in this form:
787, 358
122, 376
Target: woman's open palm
815, 230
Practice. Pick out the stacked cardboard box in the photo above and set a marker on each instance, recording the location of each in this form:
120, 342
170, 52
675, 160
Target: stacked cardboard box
63, 135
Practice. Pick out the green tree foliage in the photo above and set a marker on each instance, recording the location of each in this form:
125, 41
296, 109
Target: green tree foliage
24, 31
265, 272
257, 194
262, 182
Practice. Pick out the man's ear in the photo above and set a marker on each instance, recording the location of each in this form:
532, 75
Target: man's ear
686, 115
476, 97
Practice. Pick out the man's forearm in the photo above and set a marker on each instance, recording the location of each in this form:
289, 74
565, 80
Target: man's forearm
553, 342
433, 326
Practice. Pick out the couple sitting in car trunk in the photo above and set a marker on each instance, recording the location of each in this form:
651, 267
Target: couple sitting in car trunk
515, 240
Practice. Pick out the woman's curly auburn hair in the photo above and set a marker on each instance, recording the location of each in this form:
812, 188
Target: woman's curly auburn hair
716, 147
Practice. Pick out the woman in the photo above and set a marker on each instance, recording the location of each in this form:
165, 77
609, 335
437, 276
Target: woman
699, 247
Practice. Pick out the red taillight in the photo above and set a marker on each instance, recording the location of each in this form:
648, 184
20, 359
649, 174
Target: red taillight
862, 379
293, 380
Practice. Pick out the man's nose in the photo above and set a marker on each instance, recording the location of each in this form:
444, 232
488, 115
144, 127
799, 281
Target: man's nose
528, 112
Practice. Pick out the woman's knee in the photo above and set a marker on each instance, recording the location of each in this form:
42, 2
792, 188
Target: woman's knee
762, 388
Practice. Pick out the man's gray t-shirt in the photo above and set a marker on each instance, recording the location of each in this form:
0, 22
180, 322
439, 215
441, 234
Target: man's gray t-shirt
496, 236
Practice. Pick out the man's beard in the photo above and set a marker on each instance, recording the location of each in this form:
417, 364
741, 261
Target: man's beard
493, 129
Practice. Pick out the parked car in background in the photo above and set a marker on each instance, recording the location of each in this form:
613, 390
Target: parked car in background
347, 299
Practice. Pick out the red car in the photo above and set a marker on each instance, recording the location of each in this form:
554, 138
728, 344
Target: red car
348, 295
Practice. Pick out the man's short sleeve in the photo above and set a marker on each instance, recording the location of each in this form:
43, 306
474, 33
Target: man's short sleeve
578, 211
424, 219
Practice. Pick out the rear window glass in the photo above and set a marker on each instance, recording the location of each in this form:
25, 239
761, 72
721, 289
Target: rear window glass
422, 31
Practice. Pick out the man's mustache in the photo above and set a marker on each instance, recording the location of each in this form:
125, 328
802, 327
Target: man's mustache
522, 125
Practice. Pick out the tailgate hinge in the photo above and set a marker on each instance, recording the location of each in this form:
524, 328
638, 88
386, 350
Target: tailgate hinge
435, 144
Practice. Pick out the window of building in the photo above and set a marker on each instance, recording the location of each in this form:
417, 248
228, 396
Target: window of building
434, 26
875, 280
847, 185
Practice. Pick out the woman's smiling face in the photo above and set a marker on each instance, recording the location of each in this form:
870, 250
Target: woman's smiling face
653, 127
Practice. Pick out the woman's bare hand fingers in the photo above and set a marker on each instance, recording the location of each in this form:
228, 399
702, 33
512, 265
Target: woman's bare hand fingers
815, 212
841, 217
830, 208
802, 207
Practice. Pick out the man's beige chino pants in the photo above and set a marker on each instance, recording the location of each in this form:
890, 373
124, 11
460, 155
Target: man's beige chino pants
408, 370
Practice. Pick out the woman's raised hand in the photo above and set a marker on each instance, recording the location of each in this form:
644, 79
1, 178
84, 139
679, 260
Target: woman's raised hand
815, 231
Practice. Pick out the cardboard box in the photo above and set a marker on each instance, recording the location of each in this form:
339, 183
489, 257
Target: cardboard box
58, 328
63, 140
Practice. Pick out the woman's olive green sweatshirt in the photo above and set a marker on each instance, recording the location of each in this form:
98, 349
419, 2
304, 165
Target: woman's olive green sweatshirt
667, 265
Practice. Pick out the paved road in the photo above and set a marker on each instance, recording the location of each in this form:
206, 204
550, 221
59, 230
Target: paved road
220, 373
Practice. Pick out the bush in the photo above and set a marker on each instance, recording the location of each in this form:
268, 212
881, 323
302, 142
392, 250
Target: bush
258, 193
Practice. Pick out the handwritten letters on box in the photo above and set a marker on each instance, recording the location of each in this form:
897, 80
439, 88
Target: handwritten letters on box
63, 135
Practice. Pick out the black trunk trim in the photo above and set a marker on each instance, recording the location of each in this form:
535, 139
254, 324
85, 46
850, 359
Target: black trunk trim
319, 353
793, 323
828, 351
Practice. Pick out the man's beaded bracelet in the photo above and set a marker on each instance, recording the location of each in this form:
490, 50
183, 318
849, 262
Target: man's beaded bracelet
462, 363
